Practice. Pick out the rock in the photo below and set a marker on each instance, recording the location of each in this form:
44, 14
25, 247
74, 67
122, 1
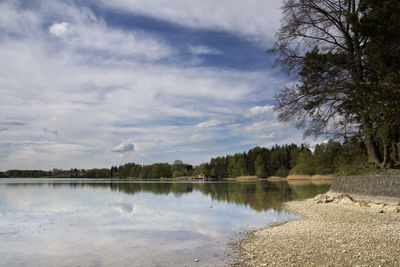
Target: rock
319, 196
376, 206
329, 199
196, 260
380, 211
346, 201
343, 196
320, 199
393, 209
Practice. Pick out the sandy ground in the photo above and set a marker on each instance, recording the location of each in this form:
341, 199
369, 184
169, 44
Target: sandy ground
327, 234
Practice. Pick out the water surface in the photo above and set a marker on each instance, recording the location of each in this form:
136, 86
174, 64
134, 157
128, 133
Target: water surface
92, 222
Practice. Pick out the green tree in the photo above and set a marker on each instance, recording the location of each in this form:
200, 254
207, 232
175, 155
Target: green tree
324, 156
260, 168
347, 84
381, 23
177, 173
305, 164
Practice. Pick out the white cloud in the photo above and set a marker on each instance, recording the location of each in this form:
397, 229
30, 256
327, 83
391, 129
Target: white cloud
59, 29
44, 155
83, 106
122, 207
50, 131
12, 123
209, 123
15, 20
98, 37
124, 147
260, 111
74, 98
204, 50
25, 143
257, 19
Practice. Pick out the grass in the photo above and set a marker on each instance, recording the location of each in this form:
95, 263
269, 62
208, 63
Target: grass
276, 178
184, 178
322, 177
309, 177
307, 182
246, 178
298, 177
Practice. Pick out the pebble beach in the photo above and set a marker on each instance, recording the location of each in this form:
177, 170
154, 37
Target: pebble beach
330, 232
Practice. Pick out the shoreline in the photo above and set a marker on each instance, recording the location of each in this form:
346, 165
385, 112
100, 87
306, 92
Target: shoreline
334, 233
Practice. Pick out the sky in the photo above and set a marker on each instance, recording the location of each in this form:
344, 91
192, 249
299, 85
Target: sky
96, 83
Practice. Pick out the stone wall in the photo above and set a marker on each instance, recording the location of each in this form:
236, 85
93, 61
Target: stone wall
382, 185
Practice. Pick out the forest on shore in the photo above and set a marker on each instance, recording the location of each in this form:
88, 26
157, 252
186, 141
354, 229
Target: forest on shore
331, 157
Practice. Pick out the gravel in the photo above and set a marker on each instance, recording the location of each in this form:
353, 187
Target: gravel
327, 234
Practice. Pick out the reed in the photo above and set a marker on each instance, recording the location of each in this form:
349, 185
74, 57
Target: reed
298, 177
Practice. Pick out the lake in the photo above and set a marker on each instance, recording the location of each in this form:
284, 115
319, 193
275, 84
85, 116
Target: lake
92, 222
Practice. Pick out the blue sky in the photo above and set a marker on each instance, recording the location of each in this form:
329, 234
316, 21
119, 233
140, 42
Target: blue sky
98, 83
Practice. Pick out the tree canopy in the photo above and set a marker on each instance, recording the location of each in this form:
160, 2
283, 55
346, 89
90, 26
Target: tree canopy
344, 55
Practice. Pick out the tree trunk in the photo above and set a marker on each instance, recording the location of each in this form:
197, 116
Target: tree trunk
395, 152
387, 161
373, 153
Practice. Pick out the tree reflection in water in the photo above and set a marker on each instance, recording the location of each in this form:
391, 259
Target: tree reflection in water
260, 196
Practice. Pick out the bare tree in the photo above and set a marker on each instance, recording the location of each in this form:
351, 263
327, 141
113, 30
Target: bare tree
321, 44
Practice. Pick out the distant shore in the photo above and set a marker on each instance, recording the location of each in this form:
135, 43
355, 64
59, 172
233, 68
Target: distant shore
248, 178
291, 178
342, 232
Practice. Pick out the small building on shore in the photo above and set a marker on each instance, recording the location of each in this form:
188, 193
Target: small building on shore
203, 175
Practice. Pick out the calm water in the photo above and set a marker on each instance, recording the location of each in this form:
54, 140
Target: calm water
47, 222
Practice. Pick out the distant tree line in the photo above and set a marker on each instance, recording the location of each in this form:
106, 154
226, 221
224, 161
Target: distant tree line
329, 157
128, 170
